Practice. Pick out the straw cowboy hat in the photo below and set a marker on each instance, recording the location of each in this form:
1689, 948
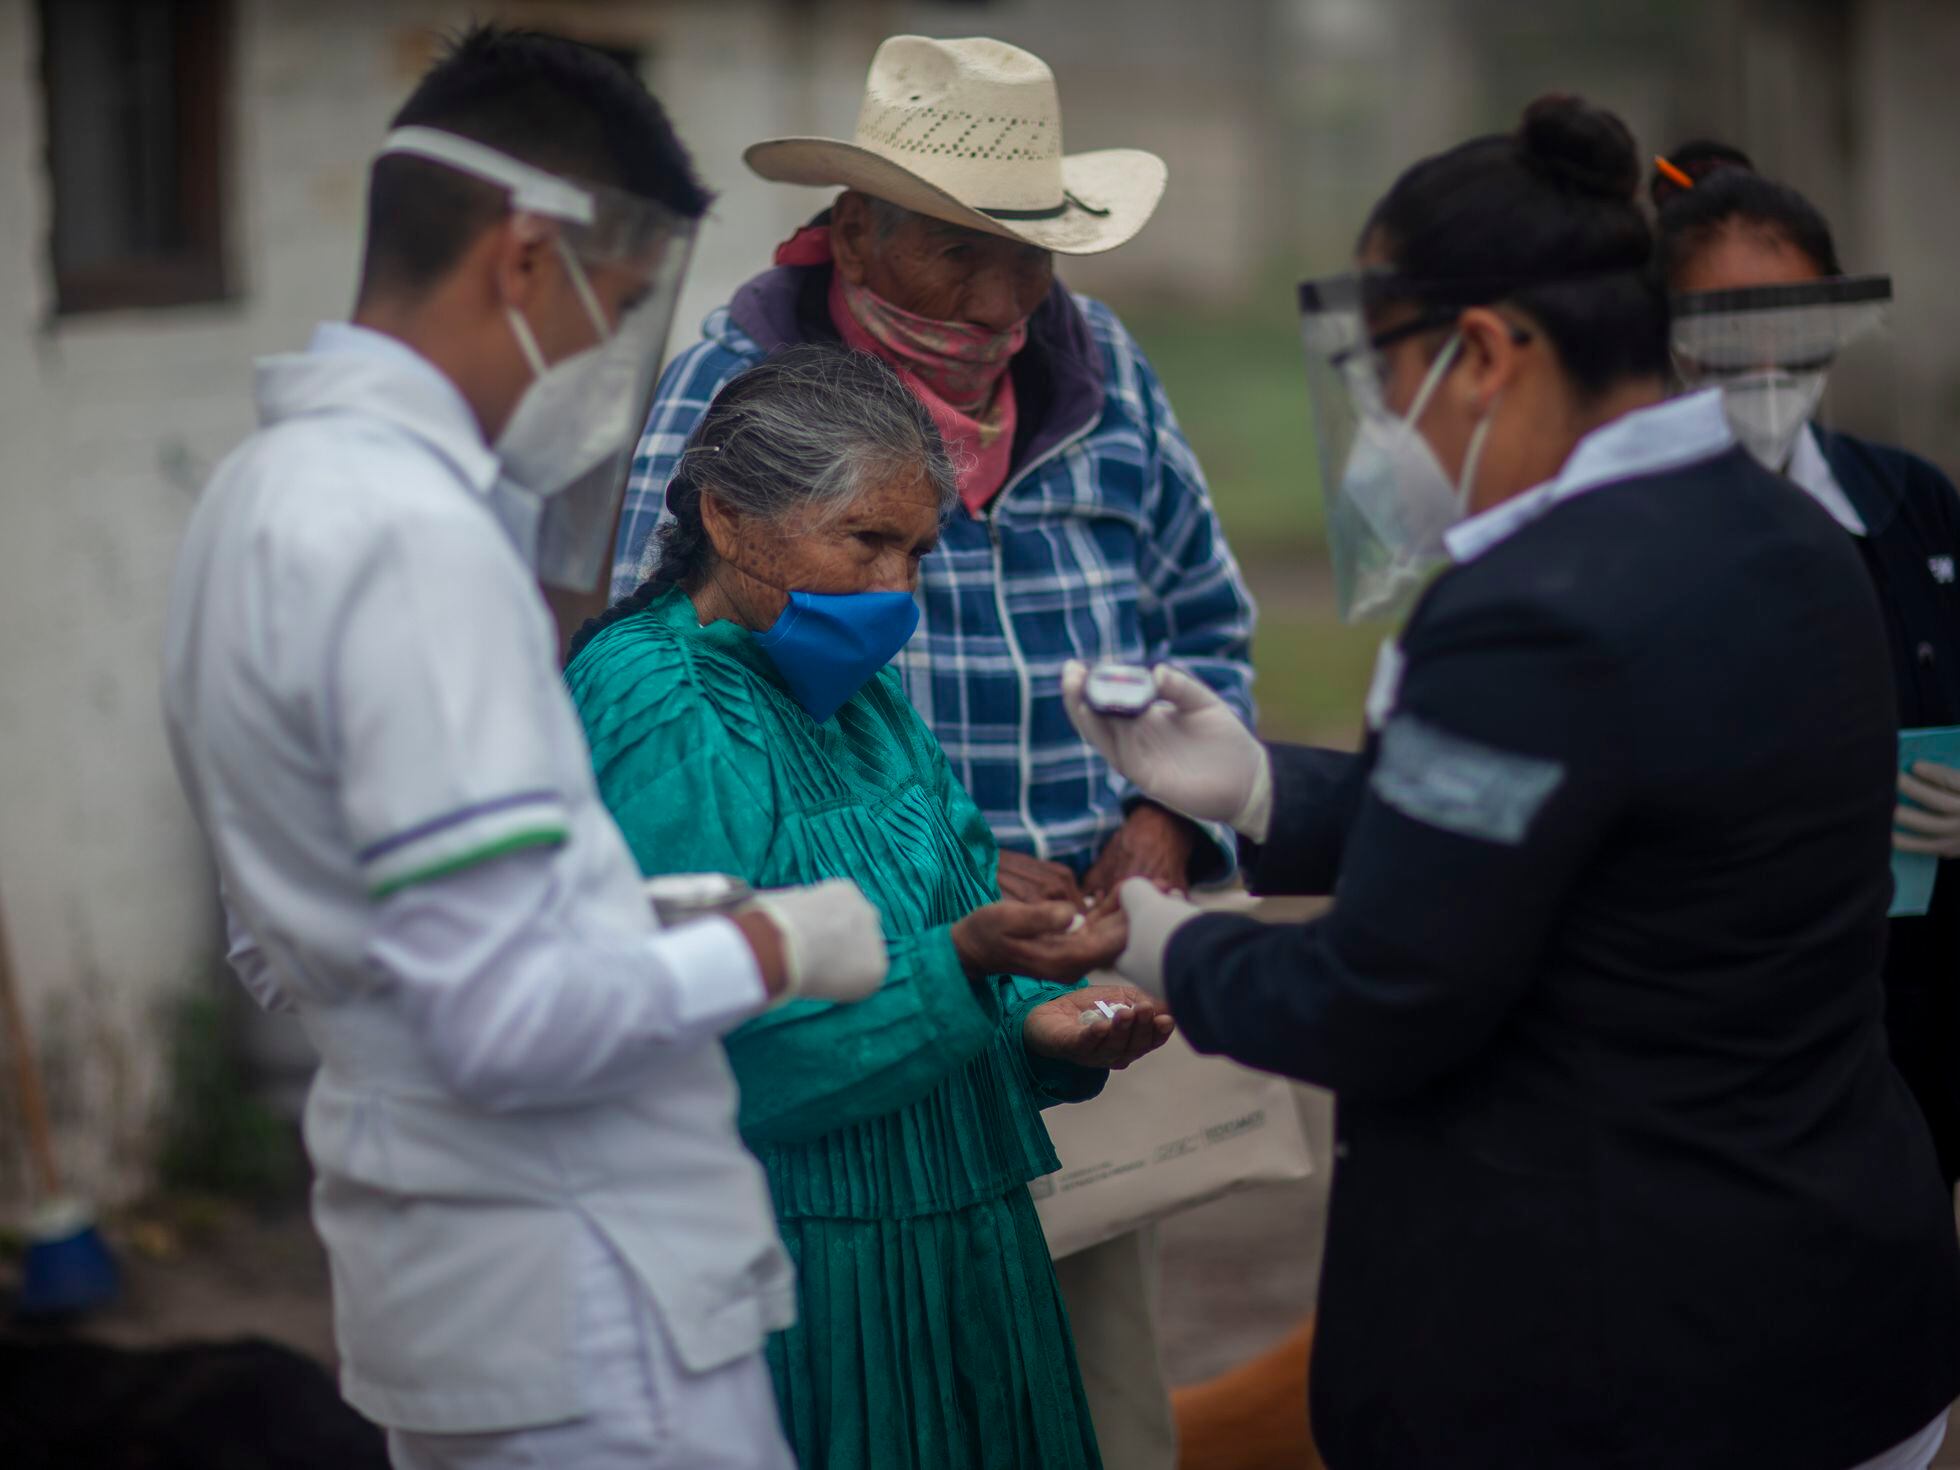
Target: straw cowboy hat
970, 131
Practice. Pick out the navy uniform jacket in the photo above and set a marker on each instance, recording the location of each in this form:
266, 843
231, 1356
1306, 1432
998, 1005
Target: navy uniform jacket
1912, 552
1625, 1177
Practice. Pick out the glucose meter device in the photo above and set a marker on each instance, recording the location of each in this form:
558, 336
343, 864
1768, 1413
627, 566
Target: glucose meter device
1123, 691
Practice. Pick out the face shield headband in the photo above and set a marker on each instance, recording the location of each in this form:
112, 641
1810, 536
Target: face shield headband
602, 224
1799, 327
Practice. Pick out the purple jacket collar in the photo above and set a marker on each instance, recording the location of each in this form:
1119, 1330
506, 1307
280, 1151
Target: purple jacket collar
1058, 376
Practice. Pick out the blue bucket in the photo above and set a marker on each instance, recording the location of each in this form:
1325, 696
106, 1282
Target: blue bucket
67, 1269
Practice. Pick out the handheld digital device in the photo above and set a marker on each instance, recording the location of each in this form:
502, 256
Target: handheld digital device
1123, 691
678, 897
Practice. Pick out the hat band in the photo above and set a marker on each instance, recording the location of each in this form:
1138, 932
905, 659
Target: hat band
1055, 213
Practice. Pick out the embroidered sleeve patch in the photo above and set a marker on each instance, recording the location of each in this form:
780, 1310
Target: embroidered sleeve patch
1443, 780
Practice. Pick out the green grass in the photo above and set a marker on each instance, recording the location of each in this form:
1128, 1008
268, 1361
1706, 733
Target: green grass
1238, 383
218, 1138
1312, 674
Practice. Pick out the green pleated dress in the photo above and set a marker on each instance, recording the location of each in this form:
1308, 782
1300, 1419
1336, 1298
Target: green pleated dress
898, 1134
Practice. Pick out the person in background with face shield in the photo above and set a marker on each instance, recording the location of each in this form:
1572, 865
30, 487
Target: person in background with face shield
1625, 1176
1762, 307
742, 719
548, 1244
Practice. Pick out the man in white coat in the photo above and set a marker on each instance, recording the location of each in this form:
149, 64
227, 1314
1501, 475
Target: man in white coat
548, 1244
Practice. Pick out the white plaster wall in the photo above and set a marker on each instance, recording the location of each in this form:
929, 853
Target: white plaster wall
734, 74
109, 424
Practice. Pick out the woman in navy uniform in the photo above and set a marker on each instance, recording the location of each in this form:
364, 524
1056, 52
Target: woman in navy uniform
1725, 229
1625, 1175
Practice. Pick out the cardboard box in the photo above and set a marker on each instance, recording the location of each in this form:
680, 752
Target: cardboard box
1170, 1132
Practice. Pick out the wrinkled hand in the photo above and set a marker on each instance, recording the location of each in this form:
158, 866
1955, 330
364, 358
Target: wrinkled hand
1031, 880
1045, 941
1154, 917
1188, 750
1153, 843
1056, 1030
1934, 824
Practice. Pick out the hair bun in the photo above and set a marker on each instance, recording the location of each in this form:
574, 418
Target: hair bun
1583, 147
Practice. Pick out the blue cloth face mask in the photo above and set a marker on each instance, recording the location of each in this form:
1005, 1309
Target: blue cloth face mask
828, 645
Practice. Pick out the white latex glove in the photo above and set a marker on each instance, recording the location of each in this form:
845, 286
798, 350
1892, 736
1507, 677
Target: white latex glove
1187, 751
833, 944
1934, 824
1154, 916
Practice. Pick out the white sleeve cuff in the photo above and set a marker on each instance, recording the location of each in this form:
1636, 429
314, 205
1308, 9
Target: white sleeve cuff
716, 983
1255, 818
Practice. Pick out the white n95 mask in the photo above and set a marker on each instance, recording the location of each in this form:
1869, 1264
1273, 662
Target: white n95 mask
1393, 505
1770, 349
570, 441
1389, 502
1768, 409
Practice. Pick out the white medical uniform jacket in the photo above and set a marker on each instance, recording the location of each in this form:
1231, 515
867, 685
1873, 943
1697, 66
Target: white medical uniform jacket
363, 697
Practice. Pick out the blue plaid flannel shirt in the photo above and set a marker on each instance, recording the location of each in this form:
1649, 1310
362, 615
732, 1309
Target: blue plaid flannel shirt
1105, 547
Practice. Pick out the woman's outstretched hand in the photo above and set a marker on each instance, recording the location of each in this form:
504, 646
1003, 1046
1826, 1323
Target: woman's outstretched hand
1056, 1029
1049, 940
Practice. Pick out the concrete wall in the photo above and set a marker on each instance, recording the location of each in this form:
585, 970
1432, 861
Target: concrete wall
110, 423
1189, 82
1905, 190
733, 74
1853, 102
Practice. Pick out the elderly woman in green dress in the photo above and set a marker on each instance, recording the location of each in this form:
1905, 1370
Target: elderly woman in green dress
742, 720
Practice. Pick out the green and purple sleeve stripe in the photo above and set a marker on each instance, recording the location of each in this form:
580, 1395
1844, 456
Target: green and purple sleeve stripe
463, 838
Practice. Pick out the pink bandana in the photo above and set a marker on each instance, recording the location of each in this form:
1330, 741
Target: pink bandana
959, 372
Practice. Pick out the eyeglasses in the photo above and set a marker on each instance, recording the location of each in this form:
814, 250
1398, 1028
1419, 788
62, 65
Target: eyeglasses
1429, 321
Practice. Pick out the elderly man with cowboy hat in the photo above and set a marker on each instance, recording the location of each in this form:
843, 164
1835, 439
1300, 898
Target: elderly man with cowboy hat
1086, 531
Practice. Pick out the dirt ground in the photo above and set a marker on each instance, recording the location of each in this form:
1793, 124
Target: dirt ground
1238, 1275
195, 1271
1242, 1272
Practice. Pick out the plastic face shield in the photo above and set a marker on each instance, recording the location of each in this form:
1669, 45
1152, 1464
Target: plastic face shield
1387, 503
1770, 348
571, 440
1719, 335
